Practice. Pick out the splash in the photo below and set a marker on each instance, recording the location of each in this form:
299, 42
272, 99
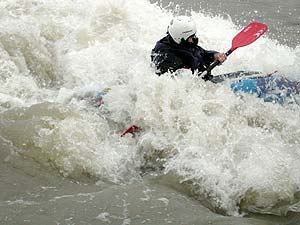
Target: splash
240, 153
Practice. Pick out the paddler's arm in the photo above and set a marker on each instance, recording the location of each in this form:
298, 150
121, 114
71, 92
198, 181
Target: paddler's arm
209, 57
166, 62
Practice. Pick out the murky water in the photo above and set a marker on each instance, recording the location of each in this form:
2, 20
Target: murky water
204, 155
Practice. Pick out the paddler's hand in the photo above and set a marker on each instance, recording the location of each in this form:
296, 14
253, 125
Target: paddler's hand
221, 57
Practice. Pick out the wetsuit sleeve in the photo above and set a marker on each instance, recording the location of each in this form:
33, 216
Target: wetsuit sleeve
208, 56
166, 62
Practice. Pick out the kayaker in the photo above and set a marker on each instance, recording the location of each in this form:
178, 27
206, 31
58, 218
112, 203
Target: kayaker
179, 49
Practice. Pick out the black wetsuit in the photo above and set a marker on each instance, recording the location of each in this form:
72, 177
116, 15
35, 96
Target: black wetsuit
167, 55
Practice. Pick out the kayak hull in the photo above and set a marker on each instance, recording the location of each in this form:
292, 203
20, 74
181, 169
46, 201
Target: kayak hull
272, 88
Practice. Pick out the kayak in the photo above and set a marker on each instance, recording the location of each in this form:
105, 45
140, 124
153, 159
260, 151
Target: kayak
272, 87
97, 99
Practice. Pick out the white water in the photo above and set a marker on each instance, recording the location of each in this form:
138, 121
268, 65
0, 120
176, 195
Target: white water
236, 152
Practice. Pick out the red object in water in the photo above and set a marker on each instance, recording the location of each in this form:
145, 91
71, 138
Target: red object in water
132, 130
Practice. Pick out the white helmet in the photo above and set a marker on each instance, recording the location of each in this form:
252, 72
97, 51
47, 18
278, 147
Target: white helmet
181, 27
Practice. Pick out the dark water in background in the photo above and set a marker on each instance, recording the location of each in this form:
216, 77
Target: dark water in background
282, 17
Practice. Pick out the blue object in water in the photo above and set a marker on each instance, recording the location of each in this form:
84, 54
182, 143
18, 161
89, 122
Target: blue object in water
245, 85
273, 88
